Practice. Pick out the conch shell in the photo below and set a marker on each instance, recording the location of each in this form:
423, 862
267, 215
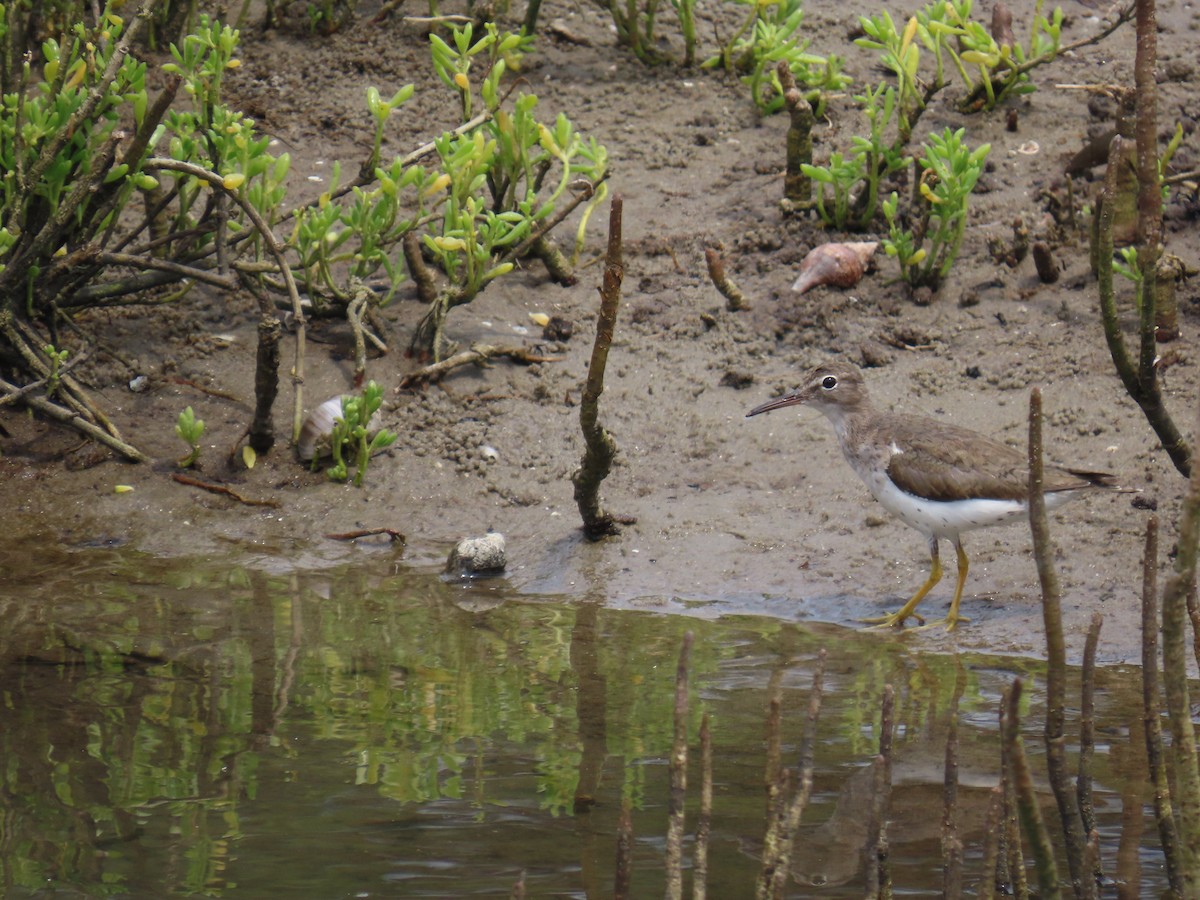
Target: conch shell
841, 265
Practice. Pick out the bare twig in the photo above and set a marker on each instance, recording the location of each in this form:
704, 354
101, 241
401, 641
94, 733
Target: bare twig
179, 270
221, 489
1181, 177
1141, 379
1150, 203
477, 355
421, 274
355, 310
599, 447
735, 300
74, 420
393, 534
204, 389
797, 187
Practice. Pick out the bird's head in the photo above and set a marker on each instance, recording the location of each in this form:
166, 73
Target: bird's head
832, 387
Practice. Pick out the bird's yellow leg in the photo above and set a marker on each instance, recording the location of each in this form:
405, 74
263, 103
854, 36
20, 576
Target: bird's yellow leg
908, 611
953, 618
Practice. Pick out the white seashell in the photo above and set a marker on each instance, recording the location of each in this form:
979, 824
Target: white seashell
317, 428
490, 453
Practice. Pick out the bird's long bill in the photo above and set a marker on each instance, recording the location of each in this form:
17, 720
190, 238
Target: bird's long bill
778, 403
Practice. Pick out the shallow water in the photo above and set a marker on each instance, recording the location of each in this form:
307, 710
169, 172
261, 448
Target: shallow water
176, 727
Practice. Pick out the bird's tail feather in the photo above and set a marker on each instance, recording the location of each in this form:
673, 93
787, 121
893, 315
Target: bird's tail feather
1104, 480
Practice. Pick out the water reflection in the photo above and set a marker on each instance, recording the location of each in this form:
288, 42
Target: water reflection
203, 728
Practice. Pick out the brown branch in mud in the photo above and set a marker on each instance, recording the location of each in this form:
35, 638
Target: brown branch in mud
1027, 805
356, 310
599, 446
211, 391
1149, 199
81, 412
797, 187
421, 274
393, 534
1164, 815
23, 338
785, 818
1056, 654
1181, 177
477, 355
261, 433
735, 300
74, 420
677, 797
221, 489
704, 817
7, 399
583, 190
559, 267
1140, 381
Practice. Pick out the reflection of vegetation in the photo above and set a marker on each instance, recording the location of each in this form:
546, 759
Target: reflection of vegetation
215, 713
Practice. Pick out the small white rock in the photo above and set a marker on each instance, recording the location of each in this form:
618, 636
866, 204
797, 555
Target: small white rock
478, 556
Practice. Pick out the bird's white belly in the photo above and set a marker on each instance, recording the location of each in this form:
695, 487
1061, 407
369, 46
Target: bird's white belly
945, 518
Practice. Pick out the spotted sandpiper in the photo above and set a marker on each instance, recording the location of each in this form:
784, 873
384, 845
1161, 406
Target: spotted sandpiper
936, 477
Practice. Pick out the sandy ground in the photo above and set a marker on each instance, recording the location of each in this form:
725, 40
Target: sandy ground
734, 516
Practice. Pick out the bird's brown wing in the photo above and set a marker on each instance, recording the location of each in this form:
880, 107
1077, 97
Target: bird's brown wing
955, 463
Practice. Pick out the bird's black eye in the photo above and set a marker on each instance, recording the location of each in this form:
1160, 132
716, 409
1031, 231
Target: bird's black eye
829, 382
